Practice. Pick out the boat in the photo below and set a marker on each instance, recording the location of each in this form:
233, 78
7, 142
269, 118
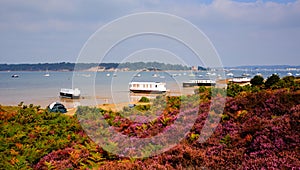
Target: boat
15, 76
147, 87
137, 75
155, 75
70, 93
241, 79
245, 74
107, 75
46, 75
199, 82
86, 75
290, 74
229, 74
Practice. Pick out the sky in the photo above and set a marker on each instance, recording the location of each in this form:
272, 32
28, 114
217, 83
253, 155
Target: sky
249, 32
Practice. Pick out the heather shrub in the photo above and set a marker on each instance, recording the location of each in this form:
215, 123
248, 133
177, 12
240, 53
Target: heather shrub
257, 131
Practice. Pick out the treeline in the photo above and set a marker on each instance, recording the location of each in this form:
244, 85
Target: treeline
152, 65
66, 66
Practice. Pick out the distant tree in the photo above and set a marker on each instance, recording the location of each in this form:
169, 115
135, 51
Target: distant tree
272, 80
257, 80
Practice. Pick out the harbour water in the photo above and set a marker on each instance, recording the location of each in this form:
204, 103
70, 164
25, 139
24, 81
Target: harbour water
98, 88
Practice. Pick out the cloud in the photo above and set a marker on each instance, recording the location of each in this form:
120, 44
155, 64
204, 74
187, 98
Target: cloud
253, 28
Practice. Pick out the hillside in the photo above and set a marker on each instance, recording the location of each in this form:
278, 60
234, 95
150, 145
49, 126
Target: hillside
257, 130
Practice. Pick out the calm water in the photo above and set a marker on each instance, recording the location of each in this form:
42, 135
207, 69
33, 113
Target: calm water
96, 88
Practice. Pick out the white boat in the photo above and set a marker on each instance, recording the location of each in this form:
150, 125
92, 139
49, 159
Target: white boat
199, 82
240, 80
15, 76
246, 74
85, 75
229, 74
107, 75
137, 75
155, 75
147, 87
289, 74
70, 93
47, 75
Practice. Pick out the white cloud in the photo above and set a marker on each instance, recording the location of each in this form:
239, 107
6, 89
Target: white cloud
235, 27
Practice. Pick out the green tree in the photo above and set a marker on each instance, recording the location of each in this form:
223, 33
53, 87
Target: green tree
272, 80
257, 80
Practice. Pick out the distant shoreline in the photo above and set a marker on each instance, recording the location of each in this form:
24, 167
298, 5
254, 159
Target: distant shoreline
150, 66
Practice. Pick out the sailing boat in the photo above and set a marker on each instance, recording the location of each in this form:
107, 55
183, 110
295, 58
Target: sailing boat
47, 74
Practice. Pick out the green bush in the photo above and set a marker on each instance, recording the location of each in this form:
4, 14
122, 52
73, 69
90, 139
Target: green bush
272, 80
257, 80
31, 134
144, 100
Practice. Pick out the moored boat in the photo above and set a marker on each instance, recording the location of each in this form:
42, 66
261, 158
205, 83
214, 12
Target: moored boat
199, 82
70, 93
147, 87
47, 75
15, 76
229, 74
241, 79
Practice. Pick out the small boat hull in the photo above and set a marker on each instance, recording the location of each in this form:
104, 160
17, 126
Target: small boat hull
68, 96
147, 91
15, 76
70, 93
190, 84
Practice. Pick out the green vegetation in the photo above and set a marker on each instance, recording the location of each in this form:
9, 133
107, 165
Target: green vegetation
144, 100
257, 80
259, 129
27, 134
272, 80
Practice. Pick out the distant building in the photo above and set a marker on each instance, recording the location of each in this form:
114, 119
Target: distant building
194, 68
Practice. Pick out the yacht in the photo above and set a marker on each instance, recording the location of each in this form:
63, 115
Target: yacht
147, 87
